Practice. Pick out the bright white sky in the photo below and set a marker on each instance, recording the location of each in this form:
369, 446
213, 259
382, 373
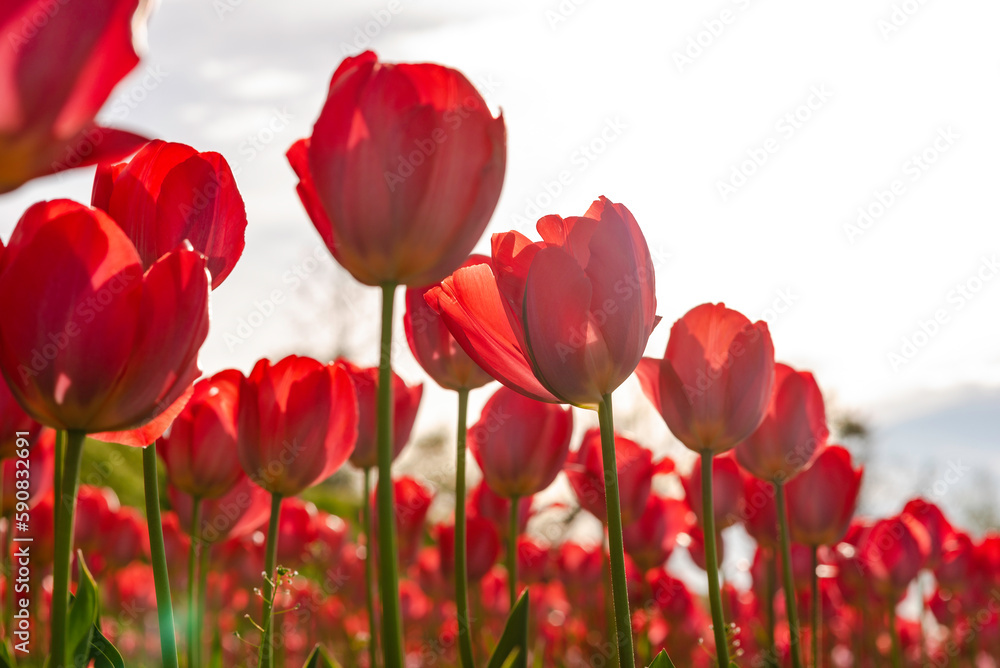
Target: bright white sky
248, 78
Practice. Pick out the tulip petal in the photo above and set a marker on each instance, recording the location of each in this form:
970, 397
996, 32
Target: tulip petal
73, 283
149, 432
470, 304
173, 323
564, 342
199, 201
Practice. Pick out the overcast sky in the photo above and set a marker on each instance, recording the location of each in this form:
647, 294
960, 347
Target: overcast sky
831, 168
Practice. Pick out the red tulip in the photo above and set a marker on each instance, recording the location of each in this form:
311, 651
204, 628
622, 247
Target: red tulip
821, 499
297, 530
433, 345
60, 61
411, 501
34, 471
938, 528
757, 511
580, 566
892, 552
565, 319
954, 571
533, 560
696, 547
405, 400
237, 513
671, 596
714, 382
169, 193
126, 538
98, 345
200, 450
794, 427
585, 472
727, 491
482, 545
519, 443
96, 507
484, 502
297, 425
403, 170
652, 537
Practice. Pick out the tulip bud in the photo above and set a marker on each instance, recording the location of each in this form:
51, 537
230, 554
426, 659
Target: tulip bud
713, 384
793, 428
519, 443
405, 400
398, 190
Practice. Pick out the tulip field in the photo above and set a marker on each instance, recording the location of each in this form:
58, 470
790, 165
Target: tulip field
224, 534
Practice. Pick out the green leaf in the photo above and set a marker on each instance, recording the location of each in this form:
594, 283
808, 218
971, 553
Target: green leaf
662, 661
6, 655
319, 658
104, 654
514, 640
83, 610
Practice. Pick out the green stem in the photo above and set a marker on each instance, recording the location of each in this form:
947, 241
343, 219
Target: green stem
712, 560
772, 582
791, 607
65, 516
816, 609
158, 555
512, 552
897, 655
461, 568
392, 623
193, 635
266, 654
369, 564
6, 559
204, 564
609, 610
619, 583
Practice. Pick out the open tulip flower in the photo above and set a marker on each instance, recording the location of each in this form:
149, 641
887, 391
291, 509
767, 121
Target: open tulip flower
406, 401
792, 430
200, 450
59, 64
170, 192
635, 468
520, 444
107, 347
402, 171
822, 498
786, 441
433, 344
712, 388
298, 422
565, 319
100, 346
